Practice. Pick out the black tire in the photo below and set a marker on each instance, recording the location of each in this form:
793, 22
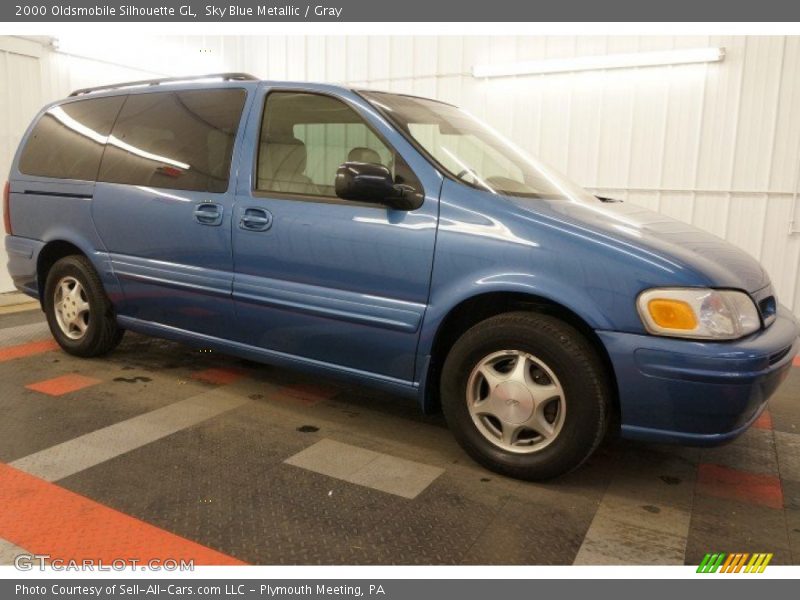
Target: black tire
576, 365
102, 334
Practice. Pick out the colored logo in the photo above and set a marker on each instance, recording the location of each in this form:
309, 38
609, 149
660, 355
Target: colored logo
738, 562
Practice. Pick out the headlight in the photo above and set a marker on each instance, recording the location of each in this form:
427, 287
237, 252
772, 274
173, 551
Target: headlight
698, 313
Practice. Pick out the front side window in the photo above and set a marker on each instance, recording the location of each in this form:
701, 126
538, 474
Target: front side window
472, 152
306, 137
178, 140
67, 141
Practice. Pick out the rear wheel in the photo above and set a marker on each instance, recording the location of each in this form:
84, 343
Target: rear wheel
525, 395
78, 310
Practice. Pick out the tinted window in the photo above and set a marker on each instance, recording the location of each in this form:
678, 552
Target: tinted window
177, 140
306, 137
67, 142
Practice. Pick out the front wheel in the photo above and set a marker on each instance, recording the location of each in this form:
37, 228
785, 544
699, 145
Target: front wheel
526, 395
78, 310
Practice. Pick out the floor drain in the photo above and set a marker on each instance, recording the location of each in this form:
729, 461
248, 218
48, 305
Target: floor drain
307, 429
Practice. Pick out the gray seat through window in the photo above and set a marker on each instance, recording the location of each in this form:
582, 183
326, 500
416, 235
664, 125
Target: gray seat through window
283, 164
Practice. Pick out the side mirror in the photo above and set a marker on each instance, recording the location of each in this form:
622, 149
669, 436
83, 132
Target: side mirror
369, 182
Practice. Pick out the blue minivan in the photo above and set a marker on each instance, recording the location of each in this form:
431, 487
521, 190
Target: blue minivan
398, 242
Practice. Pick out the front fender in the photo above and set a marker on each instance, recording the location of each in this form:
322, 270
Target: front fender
446, 300
443, 301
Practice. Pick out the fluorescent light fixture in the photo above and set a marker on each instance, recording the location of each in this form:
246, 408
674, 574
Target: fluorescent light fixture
601, 61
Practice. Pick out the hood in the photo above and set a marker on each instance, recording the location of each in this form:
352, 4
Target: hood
724, 264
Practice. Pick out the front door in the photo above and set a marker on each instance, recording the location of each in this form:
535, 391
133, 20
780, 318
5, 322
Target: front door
321, 278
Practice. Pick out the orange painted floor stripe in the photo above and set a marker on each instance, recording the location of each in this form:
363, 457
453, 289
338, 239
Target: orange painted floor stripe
764, 421
308, 393
44, 518
218, 376
28, 349
58, 386
733, 484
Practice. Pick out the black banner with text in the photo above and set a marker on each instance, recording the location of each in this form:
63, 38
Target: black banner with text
390, 589
406, 11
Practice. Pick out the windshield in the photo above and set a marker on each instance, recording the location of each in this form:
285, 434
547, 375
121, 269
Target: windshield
473, 152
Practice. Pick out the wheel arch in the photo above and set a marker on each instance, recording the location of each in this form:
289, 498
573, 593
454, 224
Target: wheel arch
474, 309
50, 254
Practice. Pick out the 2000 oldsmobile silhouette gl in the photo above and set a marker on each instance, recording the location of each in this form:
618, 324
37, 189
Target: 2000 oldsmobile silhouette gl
398, 242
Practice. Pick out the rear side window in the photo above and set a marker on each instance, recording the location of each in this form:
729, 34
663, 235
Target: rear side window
175, 140
67, 141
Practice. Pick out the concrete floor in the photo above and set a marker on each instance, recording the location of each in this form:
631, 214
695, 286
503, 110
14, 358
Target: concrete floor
164, 450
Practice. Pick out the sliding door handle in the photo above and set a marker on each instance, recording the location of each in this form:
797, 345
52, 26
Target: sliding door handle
208, 213
255, 219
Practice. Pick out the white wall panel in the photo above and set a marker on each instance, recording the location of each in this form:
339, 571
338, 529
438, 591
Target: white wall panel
757, 113
746, 217
717, 145
357, 58
711, 212
20, 98
786, 147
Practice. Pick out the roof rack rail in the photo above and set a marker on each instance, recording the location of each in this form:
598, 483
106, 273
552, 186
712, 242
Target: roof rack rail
147, 82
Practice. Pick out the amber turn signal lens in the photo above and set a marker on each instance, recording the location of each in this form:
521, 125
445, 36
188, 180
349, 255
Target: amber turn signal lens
672, 314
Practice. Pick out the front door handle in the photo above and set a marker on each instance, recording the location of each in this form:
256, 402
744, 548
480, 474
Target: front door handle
208, 213
255, 219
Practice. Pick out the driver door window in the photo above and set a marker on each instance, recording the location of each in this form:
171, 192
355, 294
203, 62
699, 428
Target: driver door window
306, 137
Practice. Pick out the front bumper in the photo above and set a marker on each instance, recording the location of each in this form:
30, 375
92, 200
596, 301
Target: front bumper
699, 393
